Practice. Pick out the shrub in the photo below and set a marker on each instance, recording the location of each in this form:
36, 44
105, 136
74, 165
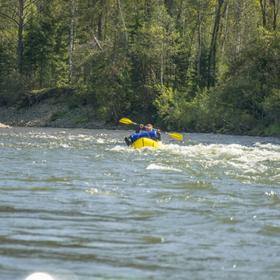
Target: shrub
11, 89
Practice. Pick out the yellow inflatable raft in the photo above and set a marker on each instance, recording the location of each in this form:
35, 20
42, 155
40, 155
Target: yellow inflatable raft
145, 142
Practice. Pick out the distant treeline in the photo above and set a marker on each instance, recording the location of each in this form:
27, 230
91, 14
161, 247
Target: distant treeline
194, 65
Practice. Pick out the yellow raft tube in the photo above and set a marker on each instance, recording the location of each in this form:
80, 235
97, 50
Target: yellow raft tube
145, 142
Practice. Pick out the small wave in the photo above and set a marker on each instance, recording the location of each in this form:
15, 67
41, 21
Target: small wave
100, 141
274, 197
277, 176
268, 146
96, 191
271, 194
65, 146
119, 148
272, 230
258, 163
154, 166
39, 275
153, 239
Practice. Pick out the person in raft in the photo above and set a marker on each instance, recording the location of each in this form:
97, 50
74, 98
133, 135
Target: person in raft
147, 131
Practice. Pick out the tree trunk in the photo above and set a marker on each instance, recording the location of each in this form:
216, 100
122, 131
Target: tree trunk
100, 26
162, 64
213, 46
71, 40
226, 28
169, 5
20, 35
264, 12
238, 27
123, 21
199, 42
148, 9
275, 4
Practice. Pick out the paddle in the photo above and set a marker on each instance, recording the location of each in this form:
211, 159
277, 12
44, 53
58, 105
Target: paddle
127, 121
174, 135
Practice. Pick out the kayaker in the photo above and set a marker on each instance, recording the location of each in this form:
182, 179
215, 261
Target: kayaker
147, 131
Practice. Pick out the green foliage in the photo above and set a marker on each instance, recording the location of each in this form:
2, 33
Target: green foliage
271, 106
45, 52
57, 115
155, 59
11, 86
152, 49
11, 90
177, 111
272, 129
248, 99
84, 117
167, 107
109, 85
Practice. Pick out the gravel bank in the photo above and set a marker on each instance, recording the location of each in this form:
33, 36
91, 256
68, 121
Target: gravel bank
50, 113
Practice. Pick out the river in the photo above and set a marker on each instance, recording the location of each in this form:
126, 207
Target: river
79, 204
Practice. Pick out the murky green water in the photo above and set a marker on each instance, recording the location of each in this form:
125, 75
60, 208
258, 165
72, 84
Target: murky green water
79, 204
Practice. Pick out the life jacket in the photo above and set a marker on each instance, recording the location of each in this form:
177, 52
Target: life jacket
148, 134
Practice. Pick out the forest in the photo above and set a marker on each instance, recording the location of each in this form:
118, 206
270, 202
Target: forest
186, 65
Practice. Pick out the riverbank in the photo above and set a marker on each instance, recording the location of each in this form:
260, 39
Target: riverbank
50, 110
4, 125
48, 114
63, 108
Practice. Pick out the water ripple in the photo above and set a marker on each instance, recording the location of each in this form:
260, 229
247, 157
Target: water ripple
80, 204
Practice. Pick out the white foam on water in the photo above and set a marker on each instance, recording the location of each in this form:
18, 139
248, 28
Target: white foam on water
65, 146
254, 163
96, 191
268, 146
39, 276
271, 194
155, 166
120, 148
44, 136
100, 140
237, 160
237, 152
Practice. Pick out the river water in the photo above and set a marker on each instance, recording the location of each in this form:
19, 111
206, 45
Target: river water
79, 204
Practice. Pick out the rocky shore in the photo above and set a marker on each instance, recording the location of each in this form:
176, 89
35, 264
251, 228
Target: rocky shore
50, 113
4, 125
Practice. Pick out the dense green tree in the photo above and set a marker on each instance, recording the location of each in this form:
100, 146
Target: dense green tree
203, 65
46, 45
